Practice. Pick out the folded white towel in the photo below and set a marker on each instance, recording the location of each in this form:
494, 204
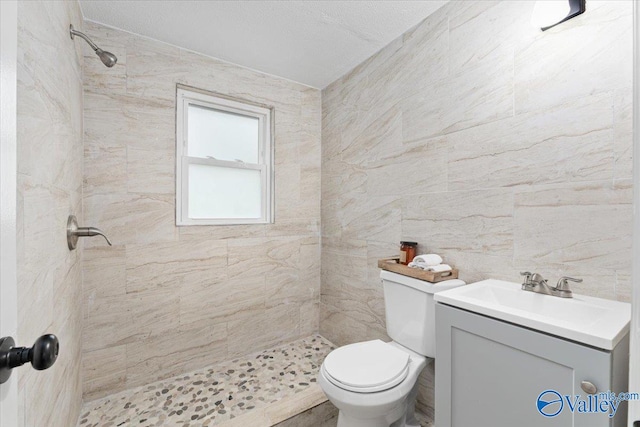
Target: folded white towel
428, 259
420, 265
439, 268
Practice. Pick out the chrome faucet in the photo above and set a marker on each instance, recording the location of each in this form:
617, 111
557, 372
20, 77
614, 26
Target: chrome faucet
534, 282
74, 232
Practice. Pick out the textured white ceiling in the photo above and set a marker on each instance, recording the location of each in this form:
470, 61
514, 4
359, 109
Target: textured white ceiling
311, 42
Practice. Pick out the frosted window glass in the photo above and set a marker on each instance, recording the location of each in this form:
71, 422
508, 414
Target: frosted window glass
222, 135
219, 192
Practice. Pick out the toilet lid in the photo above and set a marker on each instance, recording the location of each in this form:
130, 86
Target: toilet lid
367, 366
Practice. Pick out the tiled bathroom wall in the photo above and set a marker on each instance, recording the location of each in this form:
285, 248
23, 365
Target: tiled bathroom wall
164, 299
49, 136
499, 146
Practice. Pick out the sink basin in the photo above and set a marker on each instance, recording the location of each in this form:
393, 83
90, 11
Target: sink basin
592, 321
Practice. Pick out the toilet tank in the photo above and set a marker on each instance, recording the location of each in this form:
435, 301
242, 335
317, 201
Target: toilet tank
411, 312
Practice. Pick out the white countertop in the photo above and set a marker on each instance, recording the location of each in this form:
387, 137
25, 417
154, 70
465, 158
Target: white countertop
592, 321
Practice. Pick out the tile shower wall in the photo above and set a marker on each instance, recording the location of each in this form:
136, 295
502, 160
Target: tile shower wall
49, 134
165, 299
501, 147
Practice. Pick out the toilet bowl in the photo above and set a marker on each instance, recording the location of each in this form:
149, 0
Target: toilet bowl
374, 383
386, 398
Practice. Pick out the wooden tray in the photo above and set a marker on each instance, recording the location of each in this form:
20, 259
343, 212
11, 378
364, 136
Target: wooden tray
392, 264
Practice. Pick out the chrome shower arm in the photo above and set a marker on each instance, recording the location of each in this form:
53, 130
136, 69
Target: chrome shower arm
73, 32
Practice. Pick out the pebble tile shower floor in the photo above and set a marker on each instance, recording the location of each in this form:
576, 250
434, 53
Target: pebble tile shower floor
215, 394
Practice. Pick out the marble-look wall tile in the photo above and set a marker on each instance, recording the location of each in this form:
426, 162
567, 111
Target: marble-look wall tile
112, 119
172, 264
153, 68
105, 169
466, 221
458, 102
104, 274
537, 147
624, 286
267, 328
375, 252
309, 317
109, 212
105, 369
180, 298
176, 352
151, 218
111, 40
131, 218
622, 133
357, 303
129, 318
340, 178
593, 58
311, 121
150, 171
341, 327
423, 59
232, 299
426, 175
500, 147
36, 269
375, 218
382, 139
49, 188
294, 227
577, 230
474, 43
344, 267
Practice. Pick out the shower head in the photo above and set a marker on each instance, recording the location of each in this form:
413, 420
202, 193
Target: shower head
107, 58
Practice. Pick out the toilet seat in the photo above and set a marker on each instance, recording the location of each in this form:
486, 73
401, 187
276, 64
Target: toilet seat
366, 367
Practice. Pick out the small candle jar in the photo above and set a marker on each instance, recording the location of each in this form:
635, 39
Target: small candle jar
407, 252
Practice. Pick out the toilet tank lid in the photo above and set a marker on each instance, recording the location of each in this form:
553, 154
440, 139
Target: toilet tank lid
420, 285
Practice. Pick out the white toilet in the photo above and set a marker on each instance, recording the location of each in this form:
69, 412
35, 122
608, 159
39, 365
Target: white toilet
373, 383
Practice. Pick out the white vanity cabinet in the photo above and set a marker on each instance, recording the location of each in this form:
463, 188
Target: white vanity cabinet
490, 373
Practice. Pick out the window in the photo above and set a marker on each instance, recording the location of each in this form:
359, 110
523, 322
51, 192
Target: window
223, 160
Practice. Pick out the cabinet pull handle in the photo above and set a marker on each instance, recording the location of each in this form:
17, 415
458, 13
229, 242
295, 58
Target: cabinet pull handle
588, 387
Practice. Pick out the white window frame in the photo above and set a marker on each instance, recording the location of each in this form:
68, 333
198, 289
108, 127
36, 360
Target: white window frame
189, 96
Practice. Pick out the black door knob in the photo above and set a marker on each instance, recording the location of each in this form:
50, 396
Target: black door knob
42, 355
44, 352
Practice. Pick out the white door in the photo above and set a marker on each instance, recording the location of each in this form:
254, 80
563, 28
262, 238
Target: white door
8, 288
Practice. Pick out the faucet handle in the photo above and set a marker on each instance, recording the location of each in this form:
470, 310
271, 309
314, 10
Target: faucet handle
562, 288
527, 279
563, 283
